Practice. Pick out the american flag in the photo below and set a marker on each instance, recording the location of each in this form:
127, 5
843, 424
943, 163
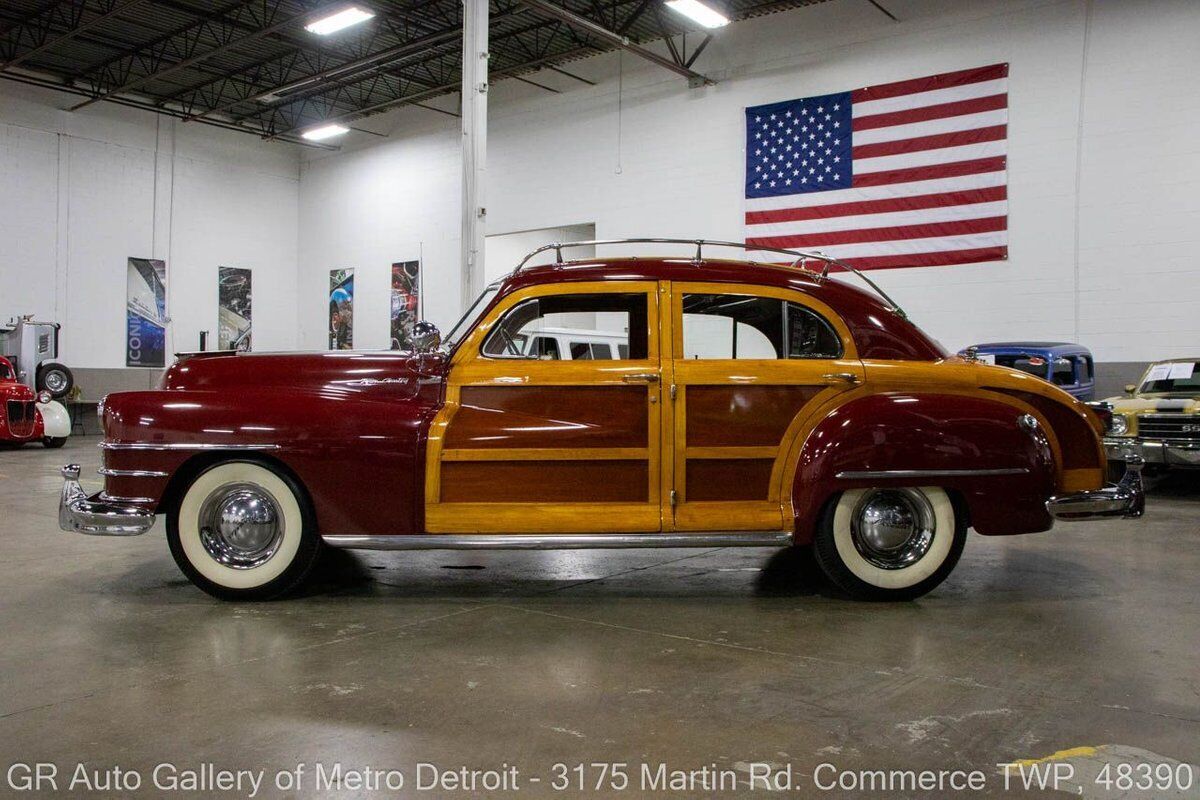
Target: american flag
906, 174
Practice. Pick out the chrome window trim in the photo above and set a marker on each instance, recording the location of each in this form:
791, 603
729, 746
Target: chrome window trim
183, 446
131, 473
856, 475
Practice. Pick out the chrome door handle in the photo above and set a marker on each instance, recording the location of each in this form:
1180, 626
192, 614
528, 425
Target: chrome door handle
641, 377
843, 377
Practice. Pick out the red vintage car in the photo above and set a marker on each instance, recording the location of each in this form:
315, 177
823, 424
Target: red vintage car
749, 404
21, 415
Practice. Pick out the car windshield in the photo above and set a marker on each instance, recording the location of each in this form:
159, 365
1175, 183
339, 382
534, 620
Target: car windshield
1174, 377
468, 319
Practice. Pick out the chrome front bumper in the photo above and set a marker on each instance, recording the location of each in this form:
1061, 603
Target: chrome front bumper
79, 514
1127, 499
1171, 453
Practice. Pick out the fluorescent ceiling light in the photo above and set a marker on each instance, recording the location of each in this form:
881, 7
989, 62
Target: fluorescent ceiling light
699, 13
325, 132
336, 22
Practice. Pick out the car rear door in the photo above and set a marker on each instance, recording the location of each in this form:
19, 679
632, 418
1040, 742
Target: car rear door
747, 367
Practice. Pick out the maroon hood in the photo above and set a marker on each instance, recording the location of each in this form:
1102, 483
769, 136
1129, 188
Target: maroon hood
338, 372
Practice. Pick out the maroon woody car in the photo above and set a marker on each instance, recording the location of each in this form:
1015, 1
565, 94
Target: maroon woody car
745, 404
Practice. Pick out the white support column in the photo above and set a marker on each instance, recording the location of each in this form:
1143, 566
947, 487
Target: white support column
474, 145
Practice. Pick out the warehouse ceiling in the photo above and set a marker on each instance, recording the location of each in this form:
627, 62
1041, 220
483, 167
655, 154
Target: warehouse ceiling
252, 66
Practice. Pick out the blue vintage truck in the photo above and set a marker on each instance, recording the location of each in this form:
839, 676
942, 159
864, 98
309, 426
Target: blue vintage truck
1068, 366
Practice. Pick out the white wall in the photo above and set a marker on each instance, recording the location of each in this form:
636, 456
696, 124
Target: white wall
1104, 166
83, 192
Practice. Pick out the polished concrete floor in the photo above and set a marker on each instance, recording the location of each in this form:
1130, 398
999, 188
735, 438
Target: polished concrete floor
1087, 637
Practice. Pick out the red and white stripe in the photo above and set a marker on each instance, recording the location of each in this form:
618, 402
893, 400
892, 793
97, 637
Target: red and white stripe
929, 186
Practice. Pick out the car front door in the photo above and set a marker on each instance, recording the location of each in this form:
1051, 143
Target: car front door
748, 368
529, 443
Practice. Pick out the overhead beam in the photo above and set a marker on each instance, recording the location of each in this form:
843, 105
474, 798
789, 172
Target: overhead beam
158, 74
617, 39
77, 26
31, 80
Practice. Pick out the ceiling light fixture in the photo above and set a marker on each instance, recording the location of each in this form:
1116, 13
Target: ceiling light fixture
335, 22
699, 13
324, 132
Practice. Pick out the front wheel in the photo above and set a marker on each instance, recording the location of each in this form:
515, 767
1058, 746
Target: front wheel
56, 379
890, 544
53, 442
244, 531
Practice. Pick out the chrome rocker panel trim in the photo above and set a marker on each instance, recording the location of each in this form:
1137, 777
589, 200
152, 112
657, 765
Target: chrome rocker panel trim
78, 514
566, 541
1127, 499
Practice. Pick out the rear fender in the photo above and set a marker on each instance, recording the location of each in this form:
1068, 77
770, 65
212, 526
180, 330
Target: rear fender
970, 445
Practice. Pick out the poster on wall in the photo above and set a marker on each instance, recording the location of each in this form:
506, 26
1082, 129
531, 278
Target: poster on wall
234, 312
406, 291
146, 313
341, 309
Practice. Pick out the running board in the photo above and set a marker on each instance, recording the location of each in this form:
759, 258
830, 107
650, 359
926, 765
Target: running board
566, 541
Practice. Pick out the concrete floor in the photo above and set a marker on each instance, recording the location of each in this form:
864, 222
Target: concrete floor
1086, 637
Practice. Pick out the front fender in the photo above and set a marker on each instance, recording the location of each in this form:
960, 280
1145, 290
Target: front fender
970, 445
56, 422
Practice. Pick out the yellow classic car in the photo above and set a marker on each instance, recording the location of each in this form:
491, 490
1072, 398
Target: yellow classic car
1158, 418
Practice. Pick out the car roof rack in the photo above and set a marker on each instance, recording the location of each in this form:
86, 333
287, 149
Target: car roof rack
800, 258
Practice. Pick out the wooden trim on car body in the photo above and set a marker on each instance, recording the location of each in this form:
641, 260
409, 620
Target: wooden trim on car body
469, 367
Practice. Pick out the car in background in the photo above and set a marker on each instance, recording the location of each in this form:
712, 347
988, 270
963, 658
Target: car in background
29, 417
1070, 367
569, 344
1158, 418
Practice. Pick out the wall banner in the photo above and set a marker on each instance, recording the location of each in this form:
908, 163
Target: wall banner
406, 292
234, 311
146, 313
341, 309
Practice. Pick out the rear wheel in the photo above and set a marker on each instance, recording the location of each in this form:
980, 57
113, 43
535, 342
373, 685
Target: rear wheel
890, 544
244, 531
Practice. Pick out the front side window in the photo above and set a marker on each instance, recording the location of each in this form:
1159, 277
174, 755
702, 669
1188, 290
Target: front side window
727, 326
587, 323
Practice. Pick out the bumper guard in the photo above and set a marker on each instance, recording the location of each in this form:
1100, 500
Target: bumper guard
79, 514
1127, 499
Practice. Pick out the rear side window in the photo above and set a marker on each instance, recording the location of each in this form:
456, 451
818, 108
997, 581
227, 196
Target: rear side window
727, 326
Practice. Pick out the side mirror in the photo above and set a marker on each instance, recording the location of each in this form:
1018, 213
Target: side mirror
426, 337
1131, 389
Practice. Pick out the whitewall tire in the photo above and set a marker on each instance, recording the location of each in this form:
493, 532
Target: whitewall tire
243, 530
890, 543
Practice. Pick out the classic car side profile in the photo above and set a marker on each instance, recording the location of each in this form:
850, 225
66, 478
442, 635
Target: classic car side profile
757, 404
1158, 418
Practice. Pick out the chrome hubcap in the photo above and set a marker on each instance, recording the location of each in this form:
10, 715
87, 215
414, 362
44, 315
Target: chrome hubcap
241, 525
893, 528
55, 381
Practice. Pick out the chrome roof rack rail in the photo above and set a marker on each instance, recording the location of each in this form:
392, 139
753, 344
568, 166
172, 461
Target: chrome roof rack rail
800, 258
